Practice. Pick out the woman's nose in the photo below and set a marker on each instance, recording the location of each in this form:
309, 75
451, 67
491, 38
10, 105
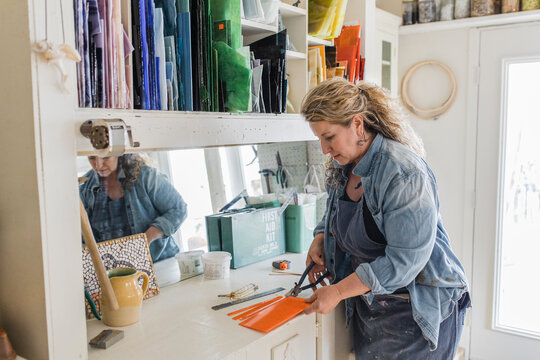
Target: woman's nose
325, 147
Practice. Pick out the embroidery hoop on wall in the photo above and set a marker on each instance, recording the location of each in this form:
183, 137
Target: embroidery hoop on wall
429, 113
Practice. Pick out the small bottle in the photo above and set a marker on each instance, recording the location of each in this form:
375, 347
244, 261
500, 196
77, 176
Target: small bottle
462, 9
498, 6
447, 10
438, 10
410, 12
482, 7
530, 5
509, 6
426, 11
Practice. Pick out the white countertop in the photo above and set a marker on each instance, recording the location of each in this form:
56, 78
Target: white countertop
180, 320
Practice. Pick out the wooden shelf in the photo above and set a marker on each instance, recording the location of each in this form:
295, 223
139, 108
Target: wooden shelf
252, 27
287, 10
313, 41
166, 130
294, 55
499, 19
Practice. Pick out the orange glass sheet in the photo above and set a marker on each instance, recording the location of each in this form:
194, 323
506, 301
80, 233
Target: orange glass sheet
276, 314
255, 306
255, 310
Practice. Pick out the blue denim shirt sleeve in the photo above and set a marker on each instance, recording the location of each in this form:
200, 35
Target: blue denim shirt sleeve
320, 227
410, 224
167, 201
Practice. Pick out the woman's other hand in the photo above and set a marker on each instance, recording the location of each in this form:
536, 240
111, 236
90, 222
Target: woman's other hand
316, 254
324, 300
153, 233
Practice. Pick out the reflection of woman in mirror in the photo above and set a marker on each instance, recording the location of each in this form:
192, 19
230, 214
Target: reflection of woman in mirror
124, 196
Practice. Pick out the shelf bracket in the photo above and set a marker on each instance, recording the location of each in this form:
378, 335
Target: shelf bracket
108, 136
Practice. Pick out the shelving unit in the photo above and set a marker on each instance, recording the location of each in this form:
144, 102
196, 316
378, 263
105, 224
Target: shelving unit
312, 40
167, 130
287, 10
293, 55
491, 20
250, 28
40, 207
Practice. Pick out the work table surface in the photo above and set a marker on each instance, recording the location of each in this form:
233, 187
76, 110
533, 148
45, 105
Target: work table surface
180, 320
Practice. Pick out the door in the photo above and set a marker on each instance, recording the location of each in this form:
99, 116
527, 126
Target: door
506, 256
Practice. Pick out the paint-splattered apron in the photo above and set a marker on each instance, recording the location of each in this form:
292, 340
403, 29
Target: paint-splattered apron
386, 328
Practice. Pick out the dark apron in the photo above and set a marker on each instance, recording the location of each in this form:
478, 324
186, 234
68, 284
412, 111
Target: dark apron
386, 328
109, 217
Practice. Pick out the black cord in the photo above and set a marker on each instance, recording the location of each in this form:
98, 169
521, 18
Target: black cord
358, 185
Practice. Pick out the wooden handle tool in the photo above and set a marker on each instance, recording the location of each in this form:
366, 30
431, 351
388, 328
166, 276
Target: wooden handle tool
104, 281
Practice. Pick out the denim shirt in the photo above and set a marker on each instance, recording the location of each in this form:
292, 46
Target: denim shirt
401, 193
153, 201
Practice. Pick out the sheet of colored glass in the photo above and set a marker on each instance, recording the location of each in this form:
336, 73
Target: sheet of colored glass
275, 315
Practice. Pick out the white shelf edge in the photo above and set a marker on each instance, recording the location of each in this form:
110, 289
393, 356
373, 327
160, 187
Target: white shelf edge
312, 40
491, 20
250, 27
168, 130
294, 55
287, 10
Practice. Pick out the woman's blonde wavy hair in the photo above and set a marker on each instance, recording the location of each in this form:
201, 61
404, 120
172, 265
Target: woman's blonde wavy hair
132, 164
337, 101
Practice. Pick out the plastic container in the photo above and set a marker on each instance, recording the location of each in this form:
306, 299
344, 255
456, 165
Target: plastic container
190, 263
509, 6
447, 10
216, 265
530, 5
438, 10
462, 9
482, 7
426, 11
410, 12
498, 6
299, 225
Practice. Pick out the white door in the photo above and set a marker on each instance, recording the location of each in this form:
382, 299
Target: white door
506, 257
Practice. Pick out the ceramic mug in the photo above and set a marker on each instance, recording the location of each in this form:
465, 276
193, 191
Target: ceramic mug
129, 295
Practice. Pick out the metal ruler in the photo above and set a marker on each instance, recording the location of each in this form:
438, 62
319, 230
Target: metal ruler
256, 296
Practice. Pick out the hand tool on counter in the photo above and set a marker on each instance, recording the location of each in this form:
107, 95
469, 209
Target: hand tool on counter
298, 288
106, 338
103, 278
281, 264
242, 292
256, 296
283, 272
266, 173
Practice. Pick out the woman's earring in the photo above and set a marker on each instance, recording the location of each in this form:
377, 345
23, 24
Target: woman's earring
363, 141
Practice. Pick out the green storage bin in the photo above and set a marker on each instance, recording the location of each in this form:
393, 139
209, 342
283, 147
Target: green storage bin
300, 221
248, 235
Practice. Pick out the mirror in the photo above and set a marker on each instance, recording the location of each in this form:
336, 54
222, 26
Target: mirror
207, 179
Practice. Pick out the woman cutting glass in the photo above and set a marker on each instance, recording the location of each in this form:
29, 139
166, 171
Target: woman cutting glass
382, 237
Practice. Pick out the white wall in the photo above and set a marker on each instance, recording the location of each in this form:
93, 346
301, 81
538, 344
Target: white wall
444, 138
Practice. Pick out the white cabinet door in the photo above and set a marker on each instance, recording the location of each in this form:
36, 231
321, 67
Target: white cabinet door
293, 341
386, 50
